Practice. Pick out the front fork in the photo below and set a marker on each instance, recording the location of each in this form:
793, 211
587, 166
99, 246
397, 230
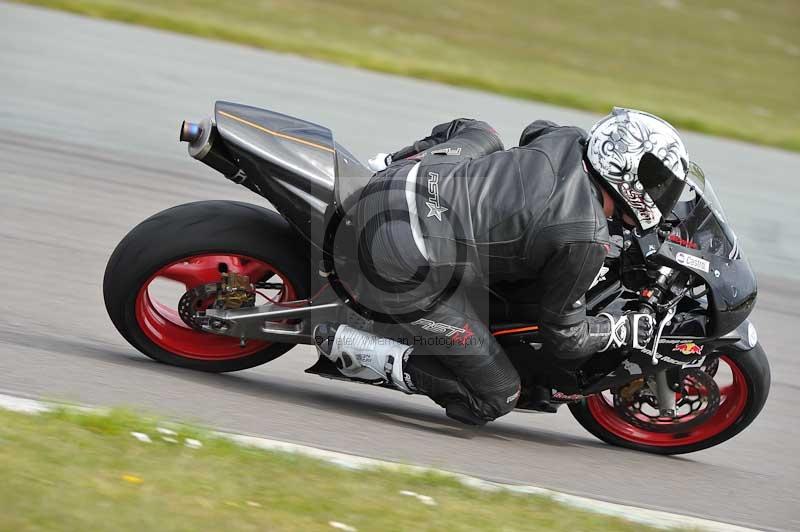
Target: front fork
665, 394
661, 384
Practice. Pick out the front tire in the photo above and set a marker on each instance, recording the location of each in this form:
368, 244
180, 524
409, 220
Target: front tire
189, 244
742, 400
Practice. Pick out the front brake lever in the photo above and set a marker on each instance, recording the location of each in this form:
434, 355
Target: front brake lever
654, 351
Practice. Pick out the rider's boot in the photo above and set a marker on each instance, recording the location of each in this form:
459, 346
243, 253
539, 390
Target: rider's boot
362, 355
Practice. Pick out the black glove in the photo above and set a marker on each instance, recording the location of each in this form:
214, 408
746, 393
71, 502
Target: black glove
633, 330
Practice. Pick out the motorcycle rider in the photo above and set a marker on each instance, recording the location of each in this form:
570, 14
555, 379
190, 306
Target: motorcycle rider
455, 212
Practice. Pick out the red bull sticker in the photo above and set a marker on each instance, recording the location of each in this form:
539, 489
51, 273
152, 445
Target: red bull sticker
689, 348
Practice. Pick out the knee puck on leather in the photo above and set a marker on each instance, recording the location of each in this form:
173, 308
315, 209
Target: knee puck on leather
461, 412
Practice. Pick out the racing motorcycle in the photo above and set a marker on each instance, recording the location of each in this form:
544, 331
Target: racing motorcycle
223, 286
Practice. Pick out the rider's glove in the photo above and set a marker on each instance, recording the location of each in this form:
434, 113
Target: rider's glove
379, 162
633, 330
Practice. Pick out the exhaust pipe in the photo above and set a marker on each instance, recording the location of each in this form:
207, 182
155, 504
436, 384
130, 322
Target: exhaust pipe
190, 132
206, 146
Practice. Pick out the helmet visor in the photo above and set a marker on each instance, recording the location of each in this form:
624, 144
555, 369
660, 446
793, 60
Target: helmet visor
660, 183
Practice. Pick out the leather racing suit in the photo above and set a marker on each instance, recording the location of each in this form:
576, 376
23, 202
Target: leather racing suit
454, 212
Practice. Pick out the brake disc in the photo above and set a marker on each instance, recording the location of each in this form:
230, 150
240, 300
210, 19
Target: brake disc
699, 401
193, 303
711, 366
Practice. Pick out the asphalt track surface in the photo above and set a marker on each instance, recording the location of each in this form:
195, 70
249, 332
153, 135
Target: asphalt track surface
89, 113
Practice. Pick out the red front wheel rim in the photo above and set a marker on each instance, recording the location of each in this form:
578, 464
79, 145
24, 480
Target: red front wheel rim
159, 319
733, 401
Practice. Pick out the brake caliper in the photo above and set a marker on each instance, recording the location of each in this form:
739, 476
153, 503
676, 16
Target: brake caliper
234, 291
629, 391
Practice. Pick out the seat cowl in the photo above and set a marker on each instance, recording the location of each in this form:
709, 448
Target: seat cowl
295, 164
296, 145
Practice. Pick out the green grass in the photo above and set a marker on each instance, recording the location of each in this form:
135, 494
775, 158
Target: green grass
69, 470
727, 67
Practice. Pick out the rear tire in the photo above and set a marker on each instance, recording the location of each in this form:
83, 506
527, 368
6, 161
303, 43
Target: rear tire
753, 368
241, 231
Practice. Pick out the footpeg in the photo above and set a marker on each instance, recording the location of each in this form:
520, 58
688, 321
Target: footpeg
539, 400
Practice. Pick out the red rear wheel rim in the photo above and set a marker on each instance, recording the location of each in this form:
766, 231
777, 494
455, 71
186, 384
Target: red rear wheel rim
162, 324
733, 401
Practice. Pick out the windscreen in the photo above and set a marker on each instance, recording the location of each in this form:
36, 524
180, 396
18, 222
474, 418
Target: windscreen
703, 225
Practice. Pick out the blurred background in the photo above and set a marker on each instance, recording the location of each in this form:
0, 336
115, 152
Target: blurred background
729, 67
89, 116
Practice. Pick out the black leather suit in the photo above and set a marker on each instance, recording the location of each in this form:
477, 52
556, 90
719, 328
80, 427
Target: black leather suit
483, 215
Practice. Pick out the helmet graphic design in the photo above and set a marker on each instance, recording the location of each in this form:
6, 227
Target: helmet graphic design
615, 148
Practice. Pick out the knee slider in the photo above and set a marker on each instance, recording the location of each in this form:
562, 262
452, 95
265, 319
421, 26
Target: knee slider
505, 400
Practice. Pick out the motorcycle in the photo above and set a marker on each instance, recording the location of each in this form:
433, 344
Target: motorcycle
223, 286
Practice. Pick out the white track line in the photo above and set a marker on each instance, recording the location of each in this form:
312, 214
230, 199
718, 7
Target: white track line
654, 518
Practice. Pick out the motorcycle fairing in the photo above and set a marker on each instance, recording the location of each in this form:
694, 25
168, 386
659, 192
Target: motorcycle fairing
351, 178
291, 161
704, 244
732, 284
297, 165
